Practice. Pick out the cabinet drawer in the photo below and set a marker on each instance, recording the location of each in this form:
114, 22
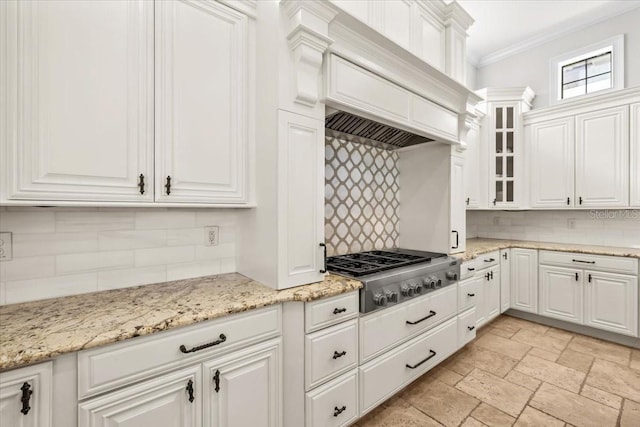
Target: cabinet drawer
330, 352
334, 404
592, 262
468, 268
487, 260
115, 365
385, 375
382, 330
330, 311
466, 327
467, 294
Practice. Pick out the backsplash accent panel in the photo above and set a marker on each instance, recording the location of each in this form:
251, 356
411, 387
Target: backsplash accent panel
361, 197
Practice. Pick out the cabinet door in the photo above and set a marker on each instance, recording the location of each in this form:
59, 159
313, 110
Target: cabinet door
172, 400
458, 211
611, 302
505, 280
551, 149
79, 80
524, 280
492, 295
635, 155
33, 382
202, 69
561, 293
504, 159
602, 153
243, 388
429, 37
301, 199
473, 178
395, 20
482, 298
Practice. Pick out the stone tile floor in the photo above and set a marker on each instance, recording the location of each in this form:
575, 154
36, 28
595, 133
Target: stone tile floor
523, 374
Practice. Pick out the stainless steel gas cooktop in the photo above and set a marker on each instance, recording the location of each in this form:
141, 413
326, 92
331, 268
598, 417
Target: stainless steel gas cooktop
392, 276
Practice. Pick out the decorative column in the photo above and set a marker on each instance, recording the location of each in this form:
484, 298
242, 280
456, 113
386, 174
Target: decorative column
457, 21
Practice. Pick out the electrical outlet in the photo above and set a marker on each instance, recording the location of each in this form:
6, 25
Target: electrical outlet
211, 235
496, 220
6, 247
571, 223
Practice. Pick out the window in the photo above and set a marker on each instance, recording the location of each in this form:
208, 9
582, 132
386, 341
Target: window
585, 71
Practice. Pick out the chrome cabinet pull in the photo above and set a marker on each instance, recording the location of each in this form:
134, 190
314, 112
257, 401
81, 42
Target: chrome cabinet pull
431, 355
222, 339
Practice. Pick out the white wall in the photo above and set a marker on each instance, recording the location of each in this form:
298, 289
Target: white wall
471, 76
609, 228
59, 252
532, 67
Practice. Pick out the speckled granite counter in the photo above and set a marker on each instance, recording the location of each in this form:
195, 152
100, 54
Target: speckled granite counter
35, 331
479, 246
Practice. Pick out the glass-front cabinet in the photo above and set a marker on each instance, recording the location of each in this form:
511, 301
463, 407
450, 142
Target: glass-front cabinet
502, 138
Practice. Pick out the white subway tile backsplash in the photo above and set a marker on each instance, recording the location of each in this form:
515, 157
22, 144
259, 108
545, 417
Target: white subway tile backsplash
37, 221
31, 244
163, 219
50, 287
115, 279
185, 236
223, 250
131, 239
168, 255
3, 294
93, 261
27, 268
94, 220
193, 269
228, 265
206, 218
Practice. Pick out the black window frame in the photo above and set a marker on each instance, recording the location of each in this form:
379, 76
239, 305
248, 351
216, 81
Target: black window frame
586, 74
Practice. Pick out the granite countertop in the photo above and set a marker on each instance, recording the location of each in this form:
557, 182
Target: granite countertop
34, 331
481, 246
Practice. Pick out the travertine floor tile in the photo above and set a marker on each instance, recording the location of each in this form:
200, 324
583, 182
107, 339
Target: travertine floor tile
448, 377
573, 359
505, 333
533, 418
502, 345
630, 414
573, 408
524, 380
543, 341
514, 322
616, 379
551, 372
397, 413
495, 391
544, 354
487, 360
601, 349
472, 422
601, 396
492, 417
560, 334
635, 359
441, 402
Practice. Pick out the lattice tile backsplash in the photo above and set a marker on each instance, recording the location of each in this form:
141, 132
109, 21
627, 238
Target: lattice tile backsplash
361, 197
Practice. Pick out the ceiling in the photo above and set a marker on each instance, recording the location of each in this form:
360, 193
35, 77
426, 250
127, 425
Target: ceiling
506, 27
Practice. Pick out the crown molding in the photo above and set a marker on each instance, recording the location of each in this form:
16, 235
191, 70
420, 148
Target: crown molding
453, 12
549, 35
520, 93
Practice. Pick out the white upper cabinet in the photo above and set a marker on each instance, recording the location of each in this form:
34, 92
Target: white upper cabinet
602, 153
429, 38
635, 155
476, 187
201, 103
79, 123
551, 147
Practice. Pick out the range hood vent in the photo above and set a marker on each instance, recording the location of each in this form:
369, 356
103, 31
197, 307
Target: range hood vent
358, 129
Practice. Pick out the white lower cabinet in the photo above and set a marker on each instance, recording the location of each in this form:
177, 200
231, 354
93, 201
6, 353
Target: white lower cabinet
505, 280
385, 375
482, 288
172, 400
524, 280
334, 404
466, 327
34, 385
592, 297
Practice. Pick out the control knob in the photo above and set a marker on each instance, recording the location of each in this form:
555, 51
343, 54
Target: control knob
438, 283
392, 296
380, 299
406, 290
417, 288
452, 275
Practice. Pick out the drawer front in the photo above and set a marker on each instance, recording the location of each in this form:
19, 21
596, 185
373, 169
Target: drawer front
115, 365
334, 404
487, 260
385, 375
466, 327
468, 268
386, 328
330, 311
613, 264
467, 294
330, 352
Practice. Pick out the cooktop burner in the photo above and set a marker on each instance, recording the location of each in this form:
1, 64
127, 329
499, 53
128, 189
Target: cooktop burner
370, 262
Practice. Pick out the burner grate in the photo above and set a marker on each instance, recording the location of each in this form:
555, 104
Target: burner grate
363, 263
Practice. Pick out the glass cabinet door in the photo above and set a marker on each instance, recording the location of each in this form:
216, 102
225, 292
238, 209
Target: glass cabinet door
503, 154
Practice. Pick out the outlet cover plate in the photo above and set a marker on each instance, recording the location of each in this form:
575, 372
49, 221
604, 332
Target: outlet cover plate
6, 247
211, 235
